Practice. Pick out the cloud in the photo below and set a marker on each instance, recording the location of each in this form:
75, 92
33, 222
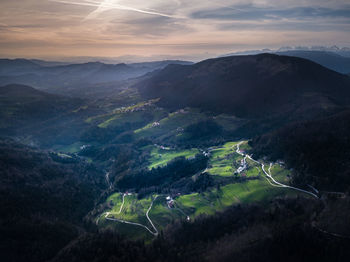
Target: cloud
146, 26
315, 26
250, 12
177, 27
252, 18
109, 5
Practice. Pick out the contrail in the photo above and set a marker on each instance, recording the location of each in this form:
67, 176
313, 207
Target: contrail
103, 6
110, 4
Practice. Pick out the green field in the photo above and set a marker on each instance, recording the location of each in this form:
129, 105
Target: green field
172, 125
218, 199
134, 209
223, 160
280, 174
248, 187
127, 115
192, 205
161, 157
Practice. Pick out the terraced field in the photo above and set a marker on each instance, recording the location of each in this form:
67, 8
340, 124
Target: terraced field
137, 113
161, 157
224, 160
171, 125
218, 199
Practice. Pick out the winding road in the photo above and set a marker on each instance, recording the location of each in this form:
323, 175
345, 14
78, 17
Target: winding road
121, 207
120, 210
155, 233
269, 176
149, 209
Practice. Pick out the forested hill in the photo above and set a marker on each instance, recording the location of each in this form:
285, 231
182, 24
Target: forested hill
43, 198
27, 112
251, 86
73, 79
23, 103
317, 149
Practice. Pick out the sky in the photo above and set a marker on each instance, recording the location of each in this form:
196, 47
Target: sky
191, 29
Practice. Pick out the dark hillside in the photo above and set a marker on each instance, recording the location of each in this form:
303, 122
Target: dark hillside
25, 111
318, 150
43, 199
278, 232
26, 102
251, 86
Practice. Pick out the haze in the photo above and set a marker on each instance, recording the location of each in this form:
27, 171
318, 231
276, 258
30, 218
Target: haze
173, 28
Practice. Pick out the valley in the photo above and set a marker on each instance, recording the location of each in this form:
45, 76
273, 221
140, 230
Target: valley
164, 160
252, 183
174, 131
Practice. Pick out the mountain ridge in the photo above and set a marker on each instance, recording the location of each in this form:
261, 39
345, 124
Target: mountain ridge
67, 78
248, 86
330, 60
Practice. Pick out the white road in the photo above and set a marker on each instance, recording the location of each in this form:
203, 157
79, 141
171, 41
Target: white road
108, 181
133, 223
269, 176
121, 207
120, 210
149, 209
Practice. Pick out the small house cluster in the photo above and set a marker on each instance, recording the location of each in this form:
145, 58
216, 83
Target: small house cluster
170, 202
135, 107
84, 147
155, 124
162, 147
243, 166
206, 154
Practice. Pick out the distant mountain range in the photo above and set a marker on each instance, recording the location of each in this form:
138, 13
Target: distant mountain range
60, 78
344, 51
330, 60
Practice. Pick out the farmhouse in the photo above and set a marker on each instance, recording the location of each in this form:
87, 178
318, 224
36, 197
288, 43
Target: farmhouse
170, 202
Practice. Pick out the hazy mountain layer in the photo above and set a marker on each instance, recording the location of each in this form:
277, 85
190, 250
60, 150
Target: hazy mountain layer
64, 79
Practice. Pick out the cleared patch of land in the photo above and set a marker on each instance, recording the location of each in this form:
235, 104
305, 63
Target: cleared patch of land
223, 160
218, 199
171, 125
161, 157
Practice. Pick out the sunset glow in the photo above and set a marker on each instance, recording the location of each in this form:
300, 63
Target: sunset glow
175, 28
